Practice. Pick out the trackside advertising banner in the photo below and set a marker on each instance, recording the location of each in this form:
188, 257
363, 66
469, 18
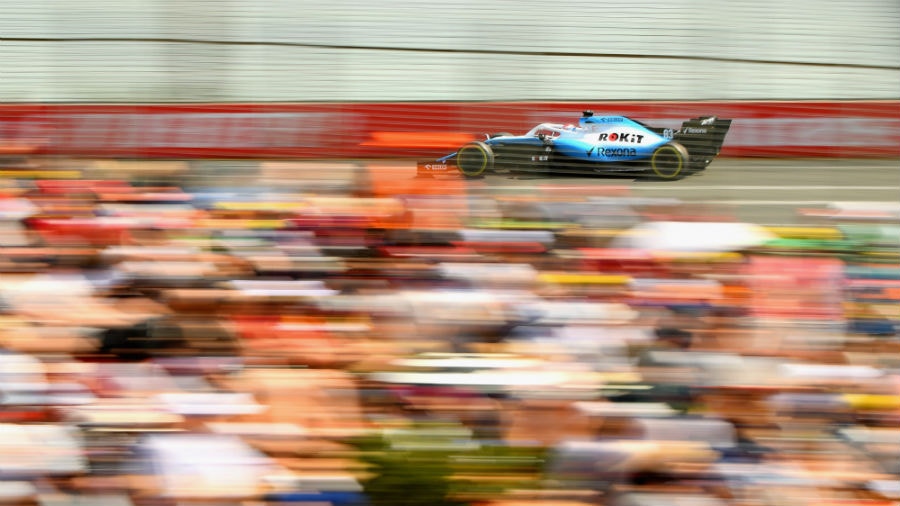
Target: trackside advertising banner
347, 130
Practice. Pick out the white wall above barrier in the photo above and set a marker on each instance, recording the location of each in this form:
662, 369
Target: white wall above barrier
350, 50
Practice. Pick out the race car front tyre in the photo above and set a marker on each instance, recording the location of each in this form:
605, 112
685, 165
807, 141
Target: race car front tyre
669, 161
474, 159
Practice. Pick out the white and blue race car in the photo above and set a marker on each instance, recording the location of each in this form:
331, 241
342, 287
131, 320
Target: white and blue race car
598, 144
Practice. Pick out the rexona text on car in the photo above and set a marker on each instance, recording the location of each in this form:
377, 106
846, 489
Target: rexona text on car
598, 144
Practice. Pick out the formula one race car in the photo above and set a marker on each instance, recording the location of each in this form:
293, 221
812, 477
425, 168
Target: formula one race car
598, 144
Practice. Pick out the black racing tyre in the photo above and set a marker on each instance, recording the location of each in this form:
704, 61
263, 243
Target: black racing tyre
500, 134
669, 161
474, 159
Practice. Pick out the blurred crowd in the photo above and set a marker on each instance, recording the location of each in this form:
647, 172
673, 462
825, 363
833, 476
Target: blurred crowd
335, 335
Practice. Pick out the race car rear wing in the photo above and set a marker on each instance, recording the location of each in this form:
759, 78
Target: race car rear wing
703, 136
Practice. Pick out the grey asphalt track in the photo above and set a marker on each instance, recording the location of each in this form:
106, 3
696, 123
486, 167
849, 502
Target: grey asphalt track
767, 191
762, 190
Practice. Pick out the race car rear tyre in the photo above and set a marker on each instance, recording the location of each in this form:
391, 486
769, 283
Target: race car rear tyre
474, 159
669, 161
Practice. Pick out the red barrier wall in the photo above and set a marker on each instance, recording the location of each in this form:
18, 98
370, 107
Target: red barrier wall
347, 130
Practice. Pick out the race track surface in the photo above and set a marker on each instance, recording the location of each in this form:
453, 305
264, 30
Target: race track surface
762, 190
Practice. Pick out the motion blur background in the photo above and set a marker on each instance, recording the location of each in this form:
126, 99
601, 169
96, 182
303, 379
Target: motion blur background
404, 50
349, 79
